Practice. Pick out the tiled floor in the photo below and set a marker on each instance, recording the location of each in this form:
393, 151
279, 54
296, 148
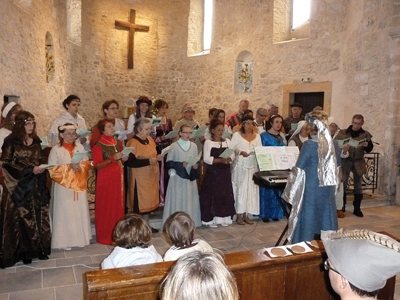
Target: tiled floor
61, 276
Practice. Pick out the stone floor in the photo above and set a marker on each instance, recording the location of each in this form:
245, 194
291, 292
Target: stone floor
60, 277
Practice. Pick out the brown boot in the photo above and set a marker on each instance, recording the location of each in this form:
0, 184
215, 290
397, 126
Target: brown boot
340, 214
239, 219
246, 219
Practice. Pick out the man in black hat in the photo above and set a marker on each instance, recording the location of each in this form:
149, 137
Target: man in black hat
290, 123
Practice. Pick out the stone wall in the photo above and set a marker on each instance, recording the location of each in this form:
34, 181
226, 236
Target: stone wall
349, 46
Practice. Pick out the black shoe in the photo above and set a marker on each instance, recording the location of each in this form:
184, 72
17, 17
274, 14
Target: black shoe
43, 257
275, 219
265, 220
154, 230
358, 213
27, 261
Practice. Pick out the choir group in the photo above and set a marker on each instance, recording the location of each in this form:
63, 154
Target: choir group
199, 175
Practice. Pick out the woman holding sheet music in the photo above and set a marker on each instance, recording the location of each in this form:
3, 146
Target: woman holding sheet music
245, 191
70, 211
216, 197
182, 192
161, 107
70, 115
269, 204
143, 193
110, 191
24, 218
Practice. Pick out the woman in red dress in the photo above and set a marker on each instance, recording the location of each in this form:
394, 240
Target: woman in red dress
110, 193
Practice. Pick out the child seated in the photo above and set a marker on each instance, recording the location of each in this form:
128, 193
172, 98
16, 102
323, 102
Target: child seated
180, 229
131, 237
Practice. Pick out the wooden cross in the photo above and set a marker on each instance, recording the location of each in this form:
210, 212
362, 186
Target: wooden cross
132, 28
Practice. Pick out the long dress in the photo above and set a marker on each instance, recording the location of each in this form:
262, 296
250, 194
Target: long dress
70, 212
110, 192
318, 211
24, 218
216, 196
245, 191
269, 203
143, 194
182, 192
163, 130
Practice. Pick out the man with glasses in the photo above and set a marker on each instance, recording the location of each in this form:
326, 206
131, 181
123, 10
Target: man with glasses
359, 262
261, 114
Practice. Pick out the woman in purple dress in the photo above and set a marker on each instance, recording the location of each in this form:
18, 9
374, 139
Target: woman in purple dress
216, 196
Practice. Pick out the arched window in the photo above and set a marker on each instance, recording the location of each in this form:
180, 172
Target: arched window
291, 20
200, 27
74, 21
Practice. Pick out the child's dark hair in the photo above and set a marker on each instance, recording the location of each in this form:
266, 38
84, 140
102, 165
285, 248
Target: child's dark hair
180, 228
132, 231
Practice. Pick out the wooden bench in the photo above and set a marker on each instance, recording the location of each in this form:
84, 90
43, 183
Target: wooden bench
297, 277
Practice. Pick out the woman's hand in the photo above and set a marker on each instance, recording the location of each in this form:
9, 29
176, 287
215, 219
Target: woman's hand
153, 161
75, 167
195, 166
117, 156
159, 157
184, 164
243, 153
37, 170
125, 158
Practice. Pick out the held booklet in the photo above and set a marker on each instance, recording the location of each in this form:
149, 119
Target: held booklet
155, 121
198, 132
44, 166
271, 158
127, 151
227, 153
78, 157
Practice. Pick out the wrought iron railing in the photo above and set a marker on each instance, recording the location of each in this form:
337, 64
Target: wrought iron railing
370, 177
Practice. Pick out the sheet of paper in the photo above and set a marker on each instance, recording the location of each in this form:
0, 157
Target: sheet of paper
44, 143
356, 143
127, 151
343, 142
265, 161
171, 134
155, 121
165, 150
194, 159
276, 158
294, 126
227, 153
44, 166
78, 156
121, 135
226, 135
82, 133
198, 132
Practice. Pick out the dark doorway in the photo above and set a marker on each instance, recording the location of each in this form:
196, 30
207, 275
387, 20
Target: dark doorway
309, 100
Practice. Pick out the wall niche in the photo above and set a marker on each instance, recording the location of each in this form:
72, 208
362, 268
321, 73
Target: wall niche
244, 72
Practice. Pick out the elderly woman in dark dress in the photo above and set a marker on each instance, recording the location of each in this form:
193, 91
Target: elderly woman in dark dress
24, 218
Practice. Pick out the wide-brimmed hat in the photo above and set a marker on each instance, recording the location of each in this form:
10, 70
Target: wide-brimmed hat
188, 107
143, 99
365, 258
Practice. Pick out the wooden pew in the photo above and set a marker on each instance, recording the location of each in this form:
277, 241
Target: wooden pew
294, 277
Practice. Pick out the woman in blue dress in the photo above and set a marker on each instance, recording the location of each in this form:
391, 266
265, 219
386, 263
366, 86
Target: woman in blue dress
315, 178
270, 208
